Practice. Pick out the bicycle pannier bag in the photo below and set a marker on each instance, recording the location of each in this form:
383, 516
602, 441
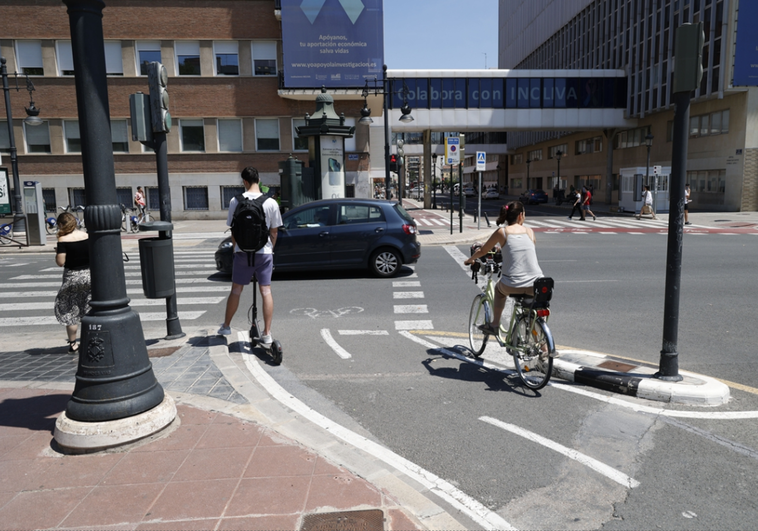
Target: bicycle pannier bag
249, 226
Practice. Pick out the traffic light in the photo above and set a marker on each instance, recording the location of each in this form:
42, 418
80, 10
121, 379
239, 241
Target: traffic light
157, 79
688, 57
393, 163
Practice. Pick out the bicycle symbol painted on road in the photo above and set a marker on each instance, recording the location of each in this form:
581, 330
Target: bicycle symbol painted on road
313, 313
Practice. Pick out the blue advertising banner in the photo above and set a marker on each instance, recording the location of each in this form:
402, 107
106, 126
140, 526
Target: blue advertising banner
334, 43
746, 48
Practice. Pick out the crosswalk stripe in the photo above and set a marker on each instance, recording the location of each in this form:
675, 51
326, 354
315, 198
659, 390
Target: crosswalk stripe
51, 320
441, 222
26, 306
414, 325
408, 295
180, 289
411, 308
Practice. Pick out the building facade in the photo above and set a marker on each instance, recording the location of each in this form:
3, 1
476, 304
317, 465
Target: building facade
637, 36
223, 58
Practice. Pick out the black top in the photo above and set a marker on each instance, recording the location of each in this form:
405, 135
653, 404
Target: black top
77, 254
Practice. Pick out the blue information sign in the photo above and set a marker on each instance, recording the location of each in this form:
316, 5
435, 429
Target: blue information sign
332, 43
746, 47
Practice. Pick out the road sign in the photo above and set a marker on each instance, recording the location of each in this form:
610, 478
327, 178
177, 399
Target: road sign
452, 150
481, 161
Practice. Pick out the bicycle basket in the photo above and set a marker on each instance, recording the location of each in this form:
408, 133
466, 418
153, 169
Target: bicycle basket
543, 289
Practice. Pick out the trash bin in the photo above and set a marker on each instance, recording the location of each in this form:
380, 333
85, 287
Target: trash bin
157, 262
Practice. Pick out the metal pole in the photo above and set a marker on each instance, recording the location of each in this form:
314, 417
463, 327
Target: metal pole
434, 177
460, 194
452, 188
479, 207
18, 208
173, 326
647, 173
669, 362
385, 88
115, 378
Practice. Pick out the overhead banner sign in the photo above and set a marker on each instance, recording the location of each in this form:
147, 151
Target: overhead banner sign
332, 43
746, 47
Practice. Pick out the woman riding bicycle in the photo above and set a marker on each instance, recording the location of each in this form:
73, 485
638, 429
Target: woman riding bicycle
519, 256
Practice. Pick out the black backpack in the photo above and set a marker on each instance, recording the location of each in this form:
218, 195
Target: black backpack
249, 226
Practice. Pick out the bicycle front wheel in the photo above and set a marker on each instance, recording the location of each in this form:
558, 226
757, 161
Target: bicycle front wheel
530, 349
479, 315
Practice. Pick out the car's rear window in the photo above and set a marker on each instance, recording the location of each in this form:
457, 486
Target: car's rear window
403, 214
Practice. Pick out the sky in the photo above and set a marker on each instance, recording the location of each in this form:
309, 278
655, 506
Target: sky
440, 34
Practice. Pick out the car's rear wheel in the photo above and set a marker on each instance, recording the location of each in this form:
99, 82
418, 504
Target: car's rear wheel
385, 262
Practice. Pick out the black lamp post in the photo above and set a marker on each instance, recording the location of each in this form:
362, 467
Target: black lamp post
649, 143
528, 162
115, 378
31, 119
434, 178
385, 91
558, 155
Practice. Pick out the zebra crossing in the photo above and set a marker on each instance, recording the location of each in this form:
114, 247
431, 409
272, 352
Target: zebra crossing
27, 297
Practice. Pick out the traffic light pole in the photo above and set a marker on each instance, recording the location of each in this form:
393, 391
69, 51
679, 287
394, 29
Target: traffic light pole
173, 326
460, 194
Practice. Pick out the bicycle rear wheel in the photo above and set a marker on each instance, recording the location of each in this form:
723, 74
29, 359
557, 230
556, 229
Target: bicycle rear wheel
530, 350
480, 314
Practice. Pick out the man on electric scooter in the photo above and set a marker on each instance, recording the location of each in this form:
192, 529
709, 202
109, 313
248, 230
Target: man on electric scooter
263, 265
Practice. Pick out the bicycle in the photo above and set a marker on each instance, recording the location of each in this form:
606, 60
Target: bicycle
527, 338
6, 233
75, 211
129, 222
145, 217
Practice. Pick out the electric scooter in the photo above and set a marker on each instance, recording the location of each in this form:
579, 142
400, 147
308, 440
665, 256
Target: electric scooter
275, 349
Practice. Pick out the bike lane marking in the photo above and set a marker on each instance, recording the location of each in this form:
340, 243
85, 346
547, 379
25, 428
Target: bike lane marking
445, 490
594, 464
341, 352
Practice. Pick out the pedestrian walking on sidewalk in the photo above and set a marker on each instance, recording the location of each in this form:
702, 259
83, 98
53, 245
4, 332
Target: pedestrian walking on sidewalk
72, 254
578, 202
262, 264
586, 202
647, 203
687, 201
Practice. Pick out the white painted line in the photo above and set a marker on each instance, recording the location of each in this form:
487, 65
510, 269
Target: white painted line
440, 222
583, 232
50, 320
134, 302
406, 284
457, 255
594, 464
636, 233
16, 265
341, 352
458, 499
411, 308
601, 232
408, 295
363, 332
414, 325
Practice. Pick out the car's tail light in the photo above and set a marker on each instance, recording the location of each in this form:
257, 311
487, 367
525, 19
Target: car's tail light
409, 229
543, 312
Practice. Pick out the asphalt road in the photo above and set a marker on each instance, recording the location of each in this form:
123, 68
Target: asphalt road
365, 352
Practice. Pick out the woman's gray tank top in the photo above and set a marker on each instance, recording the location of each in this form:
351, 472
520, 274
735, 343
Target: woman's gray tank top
520, 255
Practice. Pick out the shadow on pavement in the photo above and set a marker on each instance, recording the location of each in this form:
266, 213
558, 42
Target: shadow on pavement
33, 413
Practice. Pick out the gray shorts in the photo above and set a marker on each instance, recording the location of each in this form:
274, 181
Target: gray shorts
263, 267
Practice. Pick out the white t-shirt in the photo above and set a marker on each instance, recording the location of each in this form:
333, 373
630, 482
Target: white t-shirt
648, 199
273, 218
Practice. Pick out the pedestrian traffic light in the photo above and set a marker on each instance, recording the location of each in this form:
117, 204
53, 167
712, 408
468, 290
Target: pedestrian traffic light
157, 79
688, 57
393, 163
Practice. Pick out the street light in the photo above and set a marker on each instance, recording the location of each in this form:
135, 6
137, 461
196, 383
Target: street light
32, 119
434, 178
528, 162
558, 155
649, 143
382, 87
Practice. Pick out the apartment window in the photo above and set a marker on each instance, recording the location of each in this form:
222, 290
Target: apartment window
535, 154
193, 135
589, 145
227, 192
124, 196
715, 123
48, 199
264, 58
153, 198
29, 57
230, 135
37, 138
65, 58
195, 198
114, 64
299, 143
147, 52
267, 134
119, 136
518, 158
73, 138
188, 58
5, 141
227, 58
77, 197
563, 148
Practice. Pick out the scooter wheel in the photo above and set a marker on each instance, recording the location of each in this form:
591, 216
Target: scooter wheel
276, 352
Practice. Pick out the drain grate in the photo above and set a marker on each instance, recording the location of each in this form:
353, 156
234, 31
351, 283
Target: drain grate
371, 520
617, 366
161, 352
